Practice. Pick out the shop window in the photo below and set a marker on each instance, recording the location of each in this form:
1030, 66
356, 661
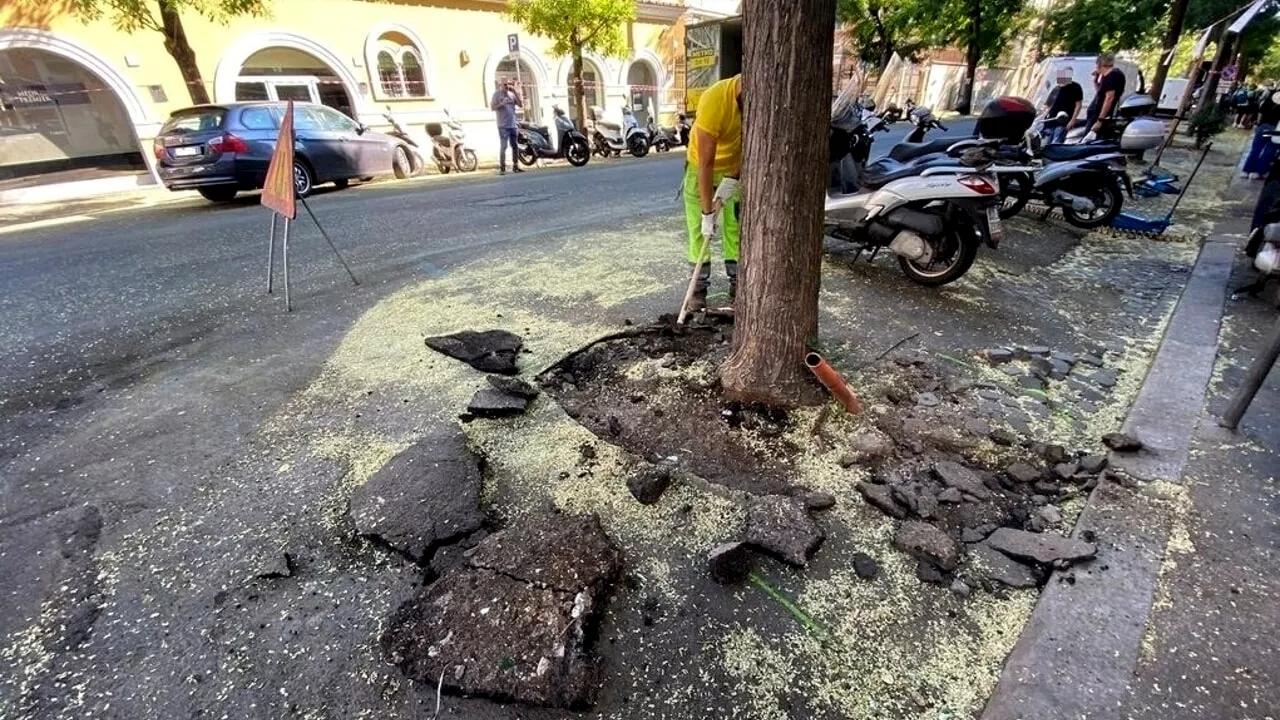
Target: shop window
400, 67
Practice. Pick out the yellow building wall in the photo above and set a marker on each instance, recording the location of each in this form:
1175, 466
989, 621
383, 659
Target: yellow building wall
447, 30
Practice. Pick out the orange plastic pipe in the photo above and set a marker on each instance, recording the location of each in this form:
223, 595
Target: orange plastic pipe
833, 382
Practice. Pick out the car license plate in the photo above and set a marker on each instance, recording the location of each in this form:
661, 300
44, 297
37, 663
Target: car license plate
187, 151
994, 225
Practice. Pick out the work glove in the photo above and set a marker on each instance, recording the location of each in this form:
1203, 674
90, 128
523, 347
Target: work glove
728, 186
710, 228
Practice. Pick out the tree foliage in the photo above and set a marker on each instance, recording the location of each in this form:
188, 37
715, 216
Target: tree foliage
575, 27
165, 17
1092, 26
879, 28
134, 15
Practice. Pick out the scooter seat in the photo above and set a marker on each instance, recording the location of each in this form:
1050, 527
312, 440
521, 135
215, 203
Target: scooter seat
606, 125
910, 151
1077, 152
886, 170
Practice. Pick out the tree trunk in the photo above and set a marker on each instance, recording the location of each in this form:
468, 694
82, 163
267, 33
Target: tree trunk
1168, 45
175, 42
972, 54
576, 92
786, 76
1226, 44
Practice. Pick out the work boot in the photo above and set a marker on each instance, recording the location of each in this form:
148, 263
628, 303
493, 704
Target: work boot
698, 302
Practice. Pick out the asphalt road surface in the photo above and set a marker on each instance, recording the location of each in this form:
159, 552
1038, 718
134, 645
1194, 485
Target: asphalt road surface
138, 351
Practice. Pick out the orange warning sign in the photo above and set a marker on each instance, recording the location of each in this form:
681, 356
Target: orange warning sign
278, 190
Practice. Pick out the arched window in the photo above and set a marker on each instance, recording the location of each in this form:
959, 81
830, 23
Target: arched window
401, 71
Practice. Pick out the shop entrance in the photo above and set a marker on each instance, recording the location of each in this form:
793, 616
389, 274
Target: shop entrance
57, 116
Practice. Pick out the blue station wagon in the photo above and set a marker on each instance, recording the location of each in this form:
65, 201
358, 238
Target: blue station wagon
219, 150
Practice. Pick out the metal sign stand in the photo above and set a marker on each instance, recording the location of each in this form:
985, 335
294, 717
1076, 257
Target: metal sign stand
284, 254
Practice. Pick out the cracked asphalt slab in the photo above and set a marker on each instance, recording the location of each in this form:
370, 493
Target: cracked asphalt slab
170, 434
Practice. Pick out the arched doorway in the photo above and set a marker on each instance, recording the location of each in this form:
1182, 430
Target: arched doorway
521, 74
594, 88
283, 73
642, 86
57, 114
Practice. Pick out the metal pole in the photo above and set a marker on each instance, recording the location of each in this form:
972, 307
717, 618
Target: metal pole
1252, 381
271, 253
288, 304
332, 247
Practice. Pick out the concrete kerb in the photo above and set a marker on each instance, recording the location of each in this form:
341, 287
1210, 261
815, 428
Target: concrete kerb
1077, 653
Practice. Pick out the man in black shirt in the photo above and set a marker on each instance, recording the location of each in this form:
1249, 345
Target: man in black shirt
1110, 85
1065, 98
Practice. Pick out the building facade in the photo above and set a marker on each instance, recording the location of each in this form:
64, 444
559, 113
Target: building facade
76, 93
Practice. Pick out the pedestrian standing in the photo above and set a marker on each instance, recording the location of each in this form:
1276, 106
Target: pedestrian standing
1109, 82
1263, 152
504, 104
1067, 98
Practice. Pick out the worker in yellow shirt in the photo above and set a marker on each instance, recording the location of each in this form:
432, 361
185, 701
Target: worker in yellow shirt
711, 183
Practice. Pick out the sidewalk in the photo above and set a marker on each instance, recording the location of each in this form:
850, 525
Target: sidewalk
1175, 618
1210, 647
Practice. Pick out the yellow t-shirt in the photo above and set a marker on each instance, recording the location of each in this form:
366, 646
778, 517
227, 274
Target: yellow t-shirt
720, 117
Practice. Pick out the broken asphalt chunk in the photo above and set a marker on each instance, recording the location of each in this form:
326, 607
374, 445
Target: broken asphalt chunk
781, 527
426, 495
517, 623
927, 543
953, 474
1121, 442
730, 563
489, 403
1044, 548
881, 496
492, 351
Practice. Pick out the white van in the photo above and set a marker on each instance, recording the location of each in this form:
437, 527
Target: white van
1045, 76
1171, 96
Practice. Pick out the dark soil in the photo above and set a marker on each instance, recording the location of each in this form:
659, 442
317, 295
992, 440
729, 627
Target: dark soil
672, 412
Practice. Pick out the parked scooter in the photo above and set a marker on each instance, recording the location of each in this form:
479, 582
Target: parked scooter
449, 148
893, 113
662, 139
407, 160
1087, 181
609, 138
932, 216
533, 142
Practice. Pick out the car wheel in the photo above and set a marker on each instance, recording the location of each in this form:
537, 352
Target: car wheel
342, 183
400, 163
303, 179
218, 193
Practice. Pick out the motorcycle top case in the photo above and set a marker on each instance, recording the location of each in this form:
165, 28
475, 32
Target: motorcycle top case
1142, 134
1006, 118
1136, 106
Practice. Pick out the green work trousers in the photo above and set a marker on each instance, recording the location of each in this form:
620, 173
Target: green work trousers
693, 219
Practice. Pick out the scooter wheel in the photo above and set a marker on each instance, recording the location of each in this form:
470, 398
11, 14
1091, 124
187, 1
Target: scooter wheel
467, 161
1015, 191
953, 254
577, 153
1108, 197
639, 148
527, 156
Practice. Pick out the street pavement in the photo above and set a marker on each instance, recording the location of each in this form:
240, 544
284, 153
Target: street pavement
167, 432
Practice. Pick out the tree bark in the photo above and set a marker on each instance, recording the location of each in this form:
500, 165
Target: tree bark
577, 94
972, 54
786, 79
175, 42
1170, 43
